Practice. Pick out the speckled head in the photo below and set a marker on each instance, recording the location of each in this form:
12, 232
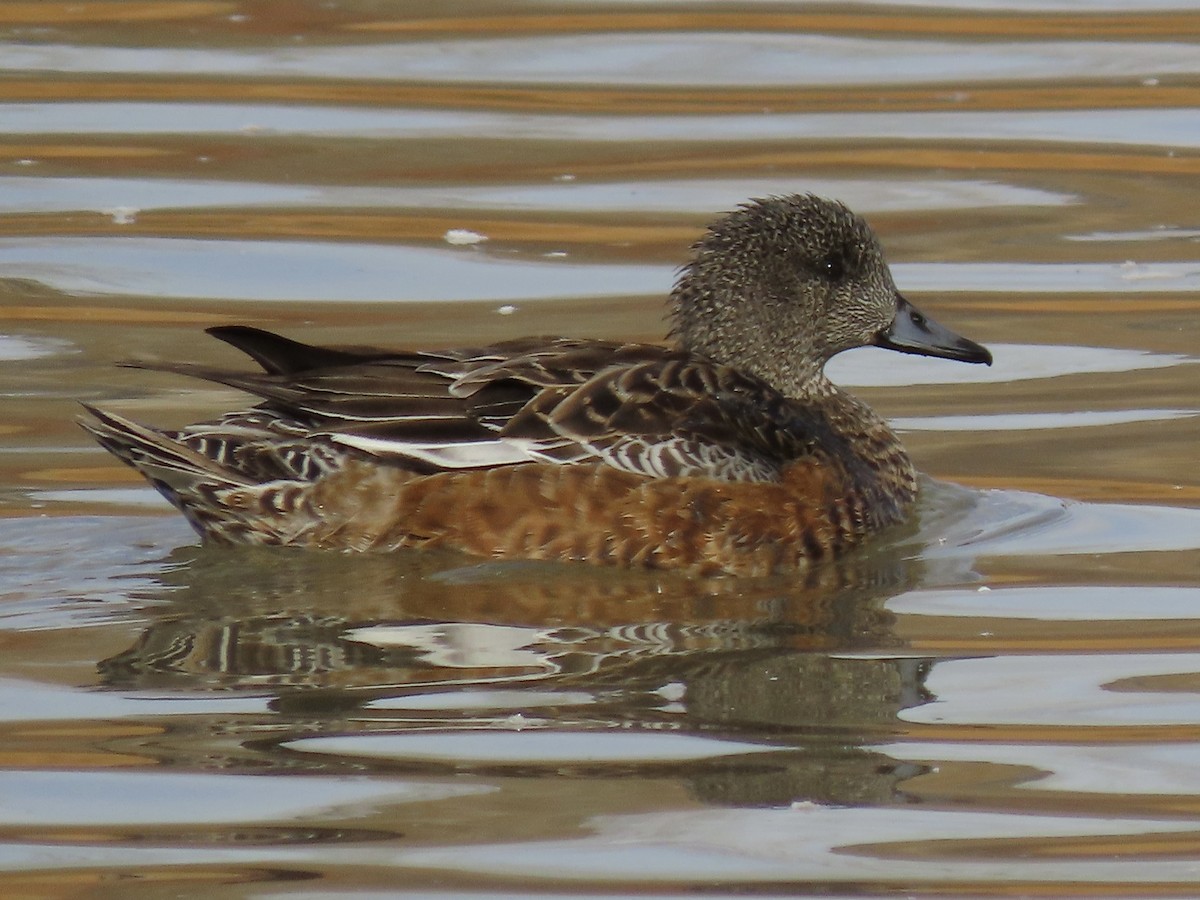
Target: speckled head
780, 285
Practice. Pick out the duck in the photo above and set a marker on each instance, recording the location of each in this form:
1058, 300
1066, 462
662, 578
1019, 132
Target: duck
724, 450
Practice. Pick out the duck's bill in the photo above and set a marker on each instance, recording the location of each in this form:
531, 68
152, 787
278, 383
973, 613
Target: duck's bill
914, 332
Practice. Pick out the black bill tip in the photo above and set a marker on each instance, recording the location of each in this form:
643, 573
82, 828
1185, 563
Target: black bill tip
912, 331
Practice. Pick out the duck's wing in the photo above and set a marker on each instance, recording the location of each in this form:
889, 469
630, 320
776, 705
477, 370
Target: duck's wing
638, 407
641, 408
676, 415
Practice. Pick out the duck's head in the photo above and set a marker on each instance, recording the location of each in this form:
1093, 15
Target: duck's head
778, 286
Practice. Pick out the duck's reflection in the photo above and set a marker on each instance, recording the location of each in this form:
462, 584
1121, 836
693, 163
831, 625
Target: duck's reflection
387, 645
252, 618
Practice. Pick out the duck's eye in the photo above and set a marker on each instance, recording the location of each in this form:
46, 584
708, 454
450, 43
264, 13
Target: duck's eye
833, 266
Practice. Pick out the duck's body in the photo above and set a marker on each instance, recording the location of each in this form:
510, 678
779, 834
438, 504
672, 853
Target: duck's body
728, 452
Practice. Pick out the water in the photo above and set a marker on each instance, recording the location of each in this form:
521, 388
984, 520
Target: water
999, 698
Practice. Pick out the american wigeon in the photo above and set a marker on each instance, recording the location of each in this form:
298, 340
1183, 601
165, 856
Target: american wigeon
728, 450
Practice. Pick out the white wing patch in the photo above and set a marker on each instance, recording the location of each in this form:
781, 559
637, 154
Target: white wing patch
464, 455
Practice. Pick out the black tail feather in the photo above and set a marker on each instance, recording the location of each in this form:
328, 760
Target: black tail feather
283, 356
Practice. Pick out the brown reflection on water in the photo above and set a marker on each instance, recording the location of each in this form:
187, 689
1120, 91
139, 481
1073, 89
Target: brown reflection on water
99, 11
912, 22
359, 227
1183, 844
71, 746
589, 99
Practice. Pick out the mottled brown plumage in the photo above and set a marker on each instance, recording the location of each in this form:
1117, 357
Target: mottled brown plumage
728, 452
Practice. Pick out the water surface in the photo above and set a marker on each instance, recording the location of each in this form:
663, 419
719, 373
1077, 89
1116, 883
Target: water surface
1000, 698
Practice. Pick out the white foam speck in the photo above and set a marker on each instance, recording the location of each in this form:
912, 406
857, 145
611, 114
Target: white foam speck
464, 237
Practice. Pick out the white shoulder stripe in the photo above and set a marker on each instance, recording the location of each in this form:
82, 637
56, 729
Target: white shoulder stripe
467, 455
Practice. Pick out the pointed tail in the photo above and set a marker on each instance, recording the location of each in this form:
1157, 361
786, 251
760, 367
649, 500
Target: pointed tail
179, 473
